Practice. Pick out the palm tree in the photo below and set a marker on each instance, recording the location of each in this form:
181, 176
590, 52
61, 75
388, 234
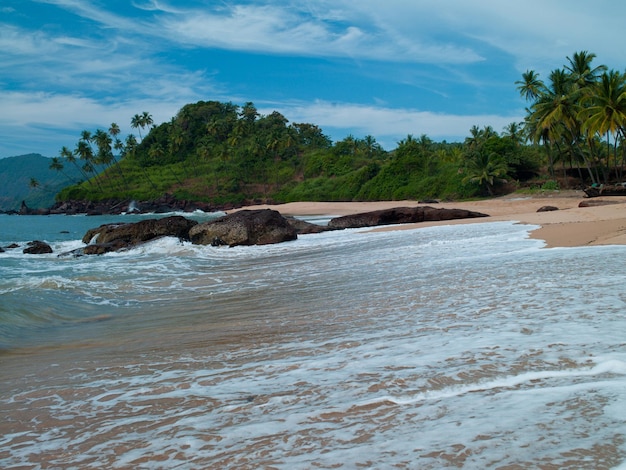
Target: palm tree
146, 119
605, 113
553, 117
57, 165
114, 130
84, 151
141, 121
514, 132
485, 169
135, 123
579, 67
530, 87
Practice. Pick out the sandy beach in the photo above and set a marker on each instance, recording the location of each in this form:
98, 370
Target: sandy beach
604, 223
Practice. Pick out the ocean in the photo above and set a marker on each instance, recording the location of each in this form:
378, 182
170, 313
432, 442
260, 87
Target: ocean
460, 346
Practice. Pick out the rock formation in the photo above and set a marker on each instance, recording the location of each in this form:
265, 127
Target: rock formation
401, 215
245, 227
115, 237
37, 247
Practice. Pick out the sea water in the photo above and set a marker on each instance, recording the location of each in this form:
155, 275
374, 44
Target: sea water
462, 346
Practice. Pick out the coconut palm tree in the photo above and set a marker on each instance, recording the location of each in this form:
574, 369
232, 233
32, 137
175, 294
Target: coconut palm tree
141, 121
605, 110
580, 70
553, 118
530, 86
484, 168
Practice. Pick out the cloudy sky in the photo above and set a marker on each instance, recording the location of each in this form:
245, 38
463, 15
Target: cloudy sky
368, 67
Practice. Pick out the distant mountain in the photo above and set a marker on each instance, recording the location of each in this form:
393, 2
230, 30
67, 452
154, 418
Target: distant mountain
16, 174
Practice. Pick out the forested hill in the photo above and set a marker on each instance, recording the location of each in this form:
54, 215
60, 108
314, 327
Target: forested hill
29, 178
223, 153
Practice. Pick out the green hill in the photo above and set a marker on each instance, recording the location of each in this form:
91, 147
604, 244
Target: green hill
17, 181
221, 153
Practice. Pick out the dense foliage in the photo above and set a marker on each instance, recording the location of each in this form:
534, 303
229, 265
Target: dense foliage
223, 153
579, 115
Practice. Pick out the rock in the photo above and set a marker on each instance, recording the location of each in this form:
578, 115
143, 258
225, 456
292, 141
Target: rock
245, 227
115, 237
304, 227
547, 209
25, 210
597, 202
401, 215
1, 250
165, 203
12, 245
37, 247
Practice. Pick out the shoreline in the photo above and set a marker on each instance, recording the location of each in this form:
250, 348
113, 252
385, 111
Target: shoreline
603, 223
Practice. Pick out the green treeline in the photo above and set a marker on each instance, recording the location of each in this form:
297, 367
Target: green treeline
224, 153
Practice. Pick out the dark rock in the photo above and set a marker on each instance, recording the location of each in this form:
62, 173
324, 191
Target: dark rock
25, 210
13, 245
115, 237
1, 250
401, 215
428, 201
245, 227
164, 204
547, 209
37, 247
304, 227
597, 202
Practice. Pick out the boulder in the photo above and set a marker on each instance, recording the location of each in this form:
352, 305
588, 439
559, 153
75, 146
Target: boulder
303, 227
597, 202
115, 237
37, 247
245, 227
547, 209
401, 215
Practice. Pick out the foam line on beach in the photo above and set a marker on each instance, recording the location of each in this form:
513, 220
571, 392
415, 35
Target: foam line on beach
609, 367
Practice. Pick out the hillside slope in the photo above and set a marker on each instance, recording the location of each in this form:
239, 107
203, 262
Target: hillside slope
16, 174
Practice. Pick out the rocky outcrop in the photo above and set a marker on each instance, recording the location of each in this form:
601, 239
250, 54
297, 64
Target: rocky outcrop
37, 247
115, 237
303, 227
245, 227
164, 204
598, 202
25, 210
401, 215
547, 209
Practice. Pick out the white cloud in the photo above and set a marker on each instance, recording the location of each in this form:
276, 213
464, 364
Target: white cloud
285, 29
43, 123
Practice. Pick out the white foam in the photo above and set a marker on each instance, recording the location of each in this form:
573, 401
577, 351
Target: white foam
464, 346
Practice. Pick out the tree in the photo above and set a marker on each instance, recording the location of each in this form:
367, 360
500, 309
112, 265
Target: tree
530, 87
579, 68
141, 121
484, 168
605, 112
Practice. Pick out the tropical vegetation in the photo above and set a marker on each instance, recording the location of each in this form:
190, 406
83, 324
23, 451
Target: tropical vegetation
579, 116
225, 153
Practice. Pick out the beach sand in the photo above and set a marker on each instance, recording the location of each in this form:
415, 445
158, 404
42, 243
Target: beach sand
604, 223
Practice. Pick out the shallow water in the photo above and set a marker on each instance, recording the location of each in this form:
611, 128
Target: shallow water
465, 346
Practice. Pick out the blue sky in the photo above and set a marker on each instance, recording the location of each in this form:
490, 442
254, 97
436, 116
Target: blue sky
366, 67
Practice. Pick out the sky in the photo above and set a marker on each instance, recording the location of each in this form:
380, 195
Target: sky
353, 67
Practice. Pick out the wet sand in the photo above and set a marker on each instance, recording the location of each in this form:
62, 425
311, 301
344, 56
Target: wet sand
604, 223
